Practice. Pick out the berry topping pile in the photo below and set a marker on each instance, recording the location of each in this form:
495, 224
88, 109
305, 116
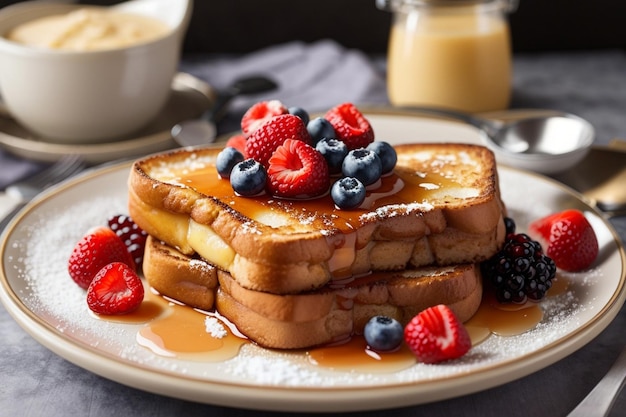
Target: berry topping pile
283, 152
437, 335
569, 239
520, 270
105, 262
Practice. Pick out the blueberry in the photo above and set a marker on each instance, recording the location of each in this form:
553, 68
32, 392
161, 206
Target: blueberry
320, 128
348, 193
383, 333
334, 151
226, 160
248, 177
386, 153
301, 113
362, 164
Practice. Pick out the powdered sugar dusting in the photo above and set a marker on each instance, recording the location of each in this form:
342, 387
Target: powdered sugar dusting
215, 328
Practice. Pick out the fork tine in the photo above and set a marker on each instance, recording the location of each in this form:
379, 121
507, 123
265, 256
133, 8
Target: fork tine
60, 170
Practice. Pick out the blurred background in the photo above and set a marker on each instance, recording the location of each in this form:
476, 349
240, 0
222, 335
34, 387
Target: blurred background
240, 26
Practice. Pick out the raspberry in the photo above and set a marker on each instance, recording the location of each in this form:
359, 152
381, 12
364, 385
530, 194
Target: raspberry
132, 235
297, 170
520, 270
116, 289
270, 135
259, 113
436, 335
350, 126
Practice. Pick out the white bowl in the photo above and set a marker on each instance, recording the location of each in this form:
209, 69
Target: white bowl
91, 96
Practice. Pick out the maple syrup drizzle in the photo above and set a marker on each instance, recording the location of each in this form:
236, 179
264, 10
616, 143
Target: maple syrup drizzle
403, 186
355, 355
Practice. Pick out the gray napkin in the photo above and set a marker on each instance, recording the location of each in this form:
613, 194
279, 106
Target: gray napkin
13, 168
314, 76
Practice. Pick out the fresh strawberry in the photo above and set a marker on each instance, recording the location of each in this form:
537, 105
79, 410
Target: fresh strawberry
99, 247
296, 169
131, 234
350, 126
568, 238
260, 112
271, 134
238, 142
436, 335
116, 289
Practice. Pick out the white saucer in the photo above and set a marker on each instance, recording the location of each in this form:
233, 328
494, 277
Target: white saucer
189, 99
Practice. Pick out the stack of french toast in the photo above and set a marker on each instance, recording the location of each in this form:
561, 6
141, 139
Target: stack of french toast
298, 273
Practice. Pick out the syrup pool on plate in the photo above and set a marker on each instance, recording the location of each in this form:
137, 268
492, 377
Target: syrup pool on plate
173, 330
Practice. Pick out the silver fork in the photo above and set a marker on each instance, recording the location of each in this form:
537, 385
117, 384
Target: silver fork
27, 189
600, 400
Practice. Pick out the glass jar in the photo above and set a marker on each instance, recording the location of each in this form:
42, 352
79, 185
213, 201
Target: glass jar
450, 53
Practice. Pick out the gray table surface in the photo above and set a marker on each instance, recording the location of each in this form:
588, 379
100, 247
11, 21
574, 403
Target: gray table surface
36, 382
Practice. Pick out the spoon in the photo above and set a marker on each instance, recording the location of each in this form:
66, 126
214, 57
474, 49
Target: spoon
537, 135
202, 131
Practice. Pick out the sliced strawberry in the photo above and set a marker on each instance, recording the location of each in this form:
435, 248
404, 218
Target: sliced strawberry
271, 134
116, 289
296, 169
568, 238
238, 142
99, 247
350, 126
436, 335
260, 112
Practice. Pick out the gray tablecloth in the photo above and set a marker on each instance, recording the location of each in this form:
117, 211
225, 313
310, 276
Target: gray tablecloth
36, 382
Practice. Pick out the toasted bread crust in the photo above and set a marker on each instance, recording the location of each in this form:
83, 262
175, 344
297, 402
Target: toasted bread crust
317, 317
462, 222
191, 281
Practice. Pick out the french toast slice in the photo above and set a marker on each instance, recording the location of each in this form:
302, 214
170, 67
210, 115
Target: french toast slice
440, 206
189, 280
330, 314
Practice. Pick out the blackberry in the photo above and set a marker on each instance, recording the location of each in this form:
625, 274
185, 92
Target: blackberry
132, 235
520, 270
509, 223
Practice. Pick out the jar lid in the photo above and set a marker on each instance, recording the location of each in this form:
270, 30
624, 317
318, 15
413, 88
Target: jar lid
393, 5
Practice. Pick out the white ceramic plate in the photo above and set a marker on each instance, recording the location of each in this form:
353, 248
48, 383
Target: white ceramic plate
189, 98
44, 301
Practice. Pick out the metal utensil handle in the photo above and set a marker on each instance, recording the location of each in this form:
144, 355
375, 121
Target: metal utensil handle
600, 400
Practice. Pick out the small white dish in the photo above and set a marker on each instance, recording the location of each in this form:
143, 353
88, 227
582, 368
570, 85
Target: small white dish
90, 96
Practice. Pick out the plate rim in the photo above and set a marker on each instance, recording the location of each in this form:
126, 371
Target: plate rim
272, 397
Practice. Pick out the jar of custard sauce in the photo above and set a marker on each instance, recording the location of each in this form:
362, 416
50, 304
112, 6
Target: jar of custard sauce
450, 53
